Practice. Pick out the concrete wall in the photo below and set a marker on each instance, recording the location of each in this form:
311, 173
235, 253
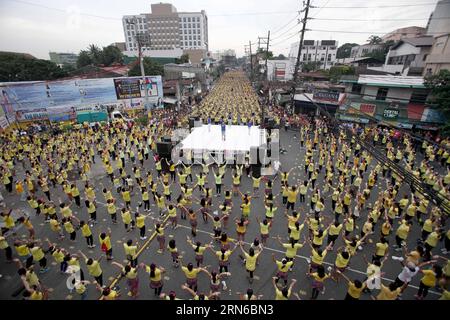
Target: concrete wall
439, 57
439, 22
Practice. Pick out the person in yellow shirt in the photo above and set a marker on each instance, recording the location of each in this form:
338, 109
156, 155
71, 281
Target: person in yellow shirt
38, 255
285, 292
256, 182
75, 194
8, 221
126, 219
126, 196
94, 268
34, 293
388, 293
224, 253
355, 288
69, 227
428, 280
319, 278
105, 244
108, 293
291, 248
155, 277
283, 268
431, 242
191, 275
401, 234
291, 197
250, 260
87, 234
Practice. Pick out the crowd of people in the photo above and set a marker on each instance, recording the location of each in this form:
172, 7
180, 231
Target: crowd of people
336, 201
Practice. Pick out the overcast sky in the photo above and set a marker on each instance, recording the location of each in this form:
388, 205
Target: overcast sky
65, 26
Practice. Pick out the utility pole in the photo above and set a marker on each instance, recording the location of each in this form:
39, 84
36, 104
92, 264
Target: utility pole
265, 77
267, 56
251, 61
142, 39
300, 45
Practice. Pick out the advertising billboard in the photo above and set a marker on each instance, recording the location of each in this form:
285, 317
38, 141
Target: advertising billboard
59, 98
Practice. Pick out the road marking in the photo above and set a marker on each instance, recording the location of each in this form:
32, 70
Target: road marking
307, 259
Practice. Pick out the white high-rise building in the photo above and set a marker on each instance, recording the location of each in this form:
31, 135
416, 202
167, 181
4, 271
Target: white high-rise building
193, 30
167, 28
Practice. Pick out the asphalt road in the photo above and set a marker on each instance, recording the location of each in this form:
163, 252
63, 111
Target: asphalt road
174, 277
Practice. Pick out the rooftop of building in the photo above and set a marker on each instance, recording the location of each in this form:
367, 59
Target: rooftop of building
386, 81
425, 41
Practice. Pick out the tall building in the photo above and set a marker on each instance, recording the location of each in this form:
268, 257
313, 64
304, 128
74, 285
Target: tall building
321, 51
193, 30
167, 28
439, 21
439, 57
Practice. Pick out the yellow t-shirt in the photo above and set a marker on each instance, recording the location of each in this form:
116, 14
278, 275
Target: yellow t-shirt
190, 274
429, 278
94, 269
387, 294
279, 295
291, 251
292, 196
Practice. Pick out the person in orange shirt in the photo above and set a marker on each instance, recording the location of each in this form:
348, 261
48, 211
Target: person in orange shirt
20, 190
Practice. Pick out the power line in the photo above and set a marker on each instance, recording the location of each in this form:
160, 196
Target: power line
281, 28
248, 13
373, 32
320, 9
283, 41
386, 6
340, 19
63, 10
119, 19
284, 33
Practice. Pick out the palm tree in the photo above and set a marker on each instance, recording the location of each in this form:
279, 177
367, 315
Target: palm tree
95, 53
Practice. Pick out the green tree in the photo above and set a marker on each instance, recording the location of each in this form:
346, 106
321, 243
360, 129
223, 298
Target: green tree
17, 67
336, 72
110, 55
311, 66
84, 59
440, 92
373, 39
279, 57
183, 59
263, 53
345, 50
96, 54
151, 68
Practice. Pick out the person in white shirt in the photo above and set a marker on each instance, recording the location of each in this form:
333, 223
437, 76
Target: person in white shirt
408, 272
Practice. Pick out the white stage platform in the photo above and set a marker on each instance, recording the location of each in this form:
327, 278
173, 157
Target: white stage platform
237, 138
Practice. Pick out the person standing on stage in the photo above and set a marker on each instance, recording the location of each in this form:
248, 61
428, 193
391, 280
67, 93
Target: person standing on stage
222, 125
